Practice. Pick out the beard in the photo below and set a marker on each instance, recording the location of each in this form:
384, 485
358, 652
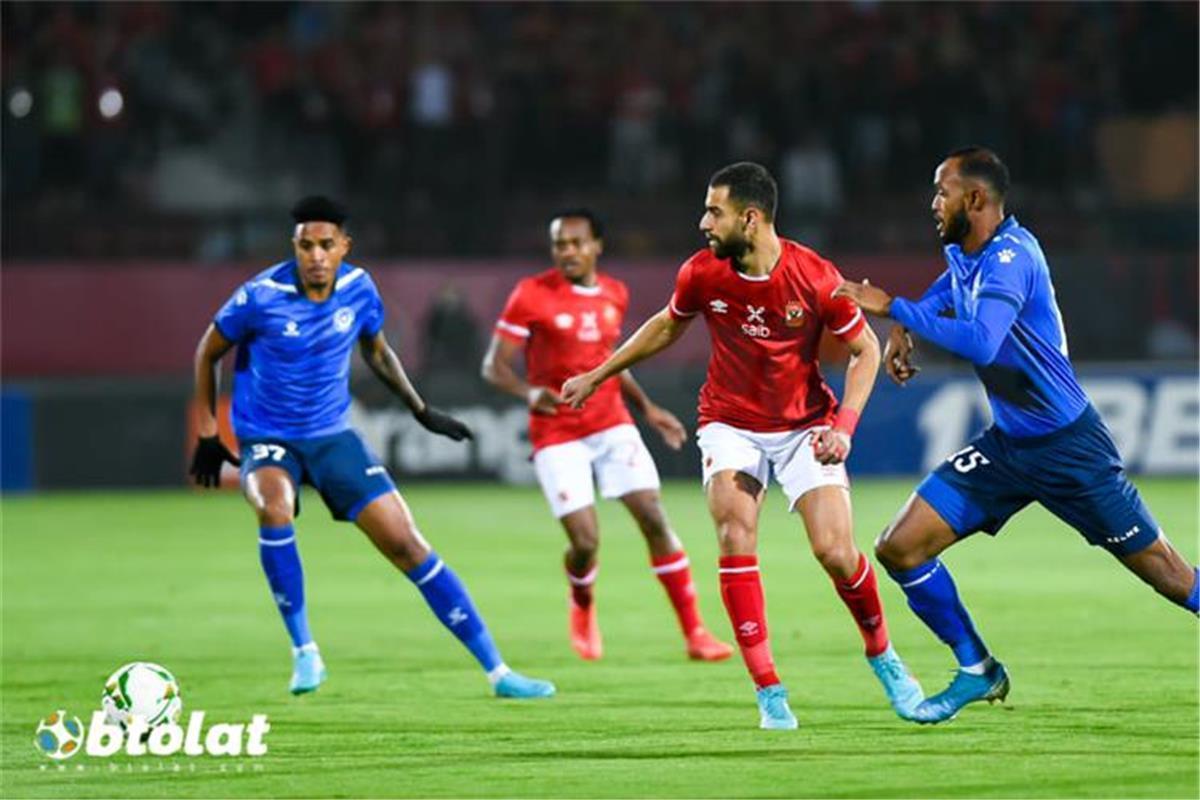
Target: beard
732, 247
956, 228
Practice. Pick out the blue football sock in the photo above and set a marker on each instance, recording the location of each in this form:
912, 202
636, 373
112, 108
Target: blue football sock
451, 604
932, 596
1192, 603
281, 562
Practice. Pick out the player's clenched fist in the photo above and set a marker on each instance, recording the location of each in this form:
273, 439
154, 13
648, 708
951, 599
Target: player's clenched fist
207, 460
831, 446
577, 389
443, 424
897, 355
543, 400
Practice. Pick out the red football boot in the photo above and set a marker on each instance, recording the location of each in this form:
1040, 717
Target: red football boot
703, 646
585, 631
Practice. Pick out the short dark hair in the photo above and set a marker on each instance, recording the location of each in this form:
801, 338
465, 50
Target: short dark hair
749, 184
980, 162
593, 219
318, 208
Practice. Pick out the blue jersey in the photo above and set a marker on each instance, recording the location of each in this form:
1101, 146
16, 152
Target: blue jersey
292, 371
1007, 323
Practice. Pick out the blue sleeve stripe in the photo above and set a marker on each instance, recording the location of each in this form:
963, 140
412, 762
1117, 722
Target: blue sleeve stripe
1007, 298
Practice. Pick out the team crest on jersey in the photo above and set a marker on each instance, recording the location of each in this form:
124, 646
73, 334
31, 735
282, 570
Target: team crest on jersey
793, 314
563, 321
343, 319
610, 313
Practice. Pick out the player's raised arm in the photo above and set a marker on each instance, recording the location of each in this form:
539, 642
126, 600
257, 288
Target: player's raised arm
656, 334
667, 424
384, 362
210, 453
500, 370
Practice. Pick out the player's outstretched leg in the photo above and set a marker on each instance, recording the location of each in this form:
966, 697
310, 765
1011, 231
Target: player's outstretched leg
909, 548
579, 562
1160, 565
672, 568
389, 524
271, 493
829, 524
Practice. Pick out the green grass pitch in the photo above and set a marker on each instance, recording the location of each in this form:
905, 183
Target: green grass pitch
1104, 699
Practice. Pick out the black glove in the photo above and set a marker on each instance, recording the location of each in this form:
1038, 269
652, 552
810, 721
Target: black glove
207, 460
440, 422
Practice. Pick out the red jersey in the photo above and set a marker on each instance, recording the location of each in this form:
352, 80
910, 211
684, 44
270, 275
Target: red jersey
762, 372
568, 330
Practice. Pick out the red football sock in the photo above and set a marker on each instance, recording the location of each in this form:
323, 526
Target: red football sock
741, 589
861, 595
676, 577
581, 582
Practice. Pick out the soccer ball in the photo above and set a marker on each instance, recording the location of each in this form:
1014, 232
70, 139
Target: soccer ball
59, 736
144, 690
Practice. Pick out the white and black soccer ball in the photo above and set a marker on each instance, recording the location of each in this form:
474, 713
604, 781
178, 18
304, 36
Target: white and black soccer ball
59, 736
144, 690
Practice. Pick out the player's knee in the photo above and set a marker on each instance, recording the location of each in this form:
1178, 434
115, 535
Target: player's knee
275, 512
893, 555
585, 547
735, 537
838, 558
405, 549
653, 523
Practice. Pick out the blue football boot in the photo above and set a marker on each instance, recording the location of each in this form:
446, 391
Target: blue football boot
966, 688
902, 689
308, 672
773, 709
517, 686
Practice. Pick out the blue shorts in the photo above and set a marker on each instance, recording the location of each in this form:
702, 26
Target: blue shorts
341, 467
1075, 472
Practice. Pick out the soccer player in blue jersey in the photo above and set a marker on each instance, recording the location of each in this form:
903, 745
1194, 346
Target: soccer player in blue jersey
994, 305
295, 326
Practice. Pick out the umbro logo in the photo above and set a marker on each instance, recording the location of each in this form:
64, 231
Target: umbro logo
748, 628
718, 306
377, 470
291, 328
1006, 255
456, 616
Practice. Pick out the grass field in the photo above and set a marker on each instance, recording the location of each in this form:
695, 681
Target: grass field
1104, 700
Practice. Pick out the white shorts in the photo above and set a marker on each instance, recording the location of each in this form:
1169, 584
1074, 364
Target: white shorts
789, 454
616, 455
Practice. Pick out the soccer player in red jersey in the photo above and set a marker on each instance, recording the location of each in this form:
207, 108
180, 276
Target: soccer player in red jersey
567, 320
764, 408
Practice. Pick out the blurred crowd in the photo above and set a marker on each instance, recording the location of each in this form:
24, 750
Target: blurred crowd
183, 129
